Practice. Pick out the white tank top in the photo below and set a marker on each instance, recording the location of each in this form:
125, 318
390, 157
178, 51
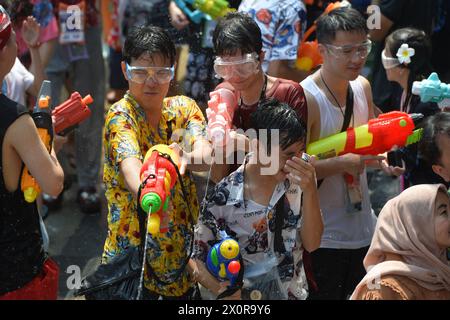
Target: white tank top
342, 230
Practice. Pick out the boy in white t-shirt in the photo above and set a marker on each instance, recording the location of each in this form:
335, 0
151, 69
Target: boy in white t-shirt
19, 80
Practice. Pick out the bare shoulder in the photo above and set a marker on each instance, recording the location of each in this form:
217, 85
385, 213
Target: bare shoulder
313, 130
313, 107
365, 83
20, 129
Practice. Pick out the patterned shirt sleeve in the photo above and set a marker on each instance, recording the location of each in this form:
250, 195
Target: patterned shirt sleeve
203, 235
120, 132
287, 33
195, 123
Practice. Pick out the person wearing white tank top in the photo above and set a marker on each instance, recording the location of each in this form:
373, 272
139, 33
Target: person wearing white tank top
337, 267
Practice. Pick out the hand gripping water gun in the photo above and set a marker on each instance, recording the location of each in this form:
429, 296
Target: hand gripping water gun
223, 259
308, 56
388, 131
220, 114
208, 9
158, 174
70, 113
43, 120
432, 89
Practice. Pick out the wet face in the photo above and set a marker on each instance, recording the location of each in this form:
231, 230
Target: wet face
151, 93
443, 167
346, 55
442, 220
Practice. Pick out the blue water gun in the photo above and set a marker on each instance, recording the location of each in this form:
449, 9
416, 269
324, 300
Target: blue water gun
223, 259
204, 9
431, 89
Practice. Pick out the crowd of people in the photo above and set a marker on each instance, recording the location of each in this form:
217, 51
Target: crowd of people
307, 229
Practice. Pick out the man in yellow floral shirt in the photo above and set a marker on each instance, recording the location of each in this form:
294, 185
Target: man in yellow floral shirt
143, 118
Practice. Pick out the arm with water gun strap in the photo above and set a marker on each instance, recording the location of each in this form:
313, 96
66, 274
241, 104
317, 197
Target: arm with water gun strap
197, 10
388, 131
158, 176
43, 120
433, 90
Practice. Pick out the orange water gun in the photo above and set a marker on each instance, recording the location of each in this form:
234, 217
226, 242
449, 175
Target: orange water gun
308, 56
43, 120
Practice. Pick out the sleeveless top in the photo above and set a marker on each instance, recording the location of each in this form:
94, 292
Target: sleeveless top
21, 251
342, 229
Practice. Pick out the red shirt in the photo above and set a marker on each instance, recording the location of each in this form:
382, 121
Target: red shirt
283, 90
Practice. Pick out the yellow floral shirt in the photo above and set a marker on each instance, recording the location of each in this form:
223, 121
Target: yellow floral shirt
128, 134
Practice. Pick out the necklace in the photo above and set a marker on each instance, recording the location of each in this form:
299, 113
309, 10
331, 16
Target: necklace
261, 97
339, 105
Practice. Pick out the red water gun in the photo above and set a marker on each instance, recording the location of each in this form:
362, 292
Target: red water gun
70, 113
389, 130
158, 175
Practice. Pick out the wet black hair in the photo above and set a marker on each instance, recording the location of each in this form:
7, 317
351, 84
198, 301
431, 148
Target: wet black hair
420, 67
237, 31
272, 114
341, 19
434, 126
151, 40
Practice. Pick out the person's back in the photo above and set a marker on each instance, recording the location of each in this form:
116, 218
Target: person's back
21, 251
25, 273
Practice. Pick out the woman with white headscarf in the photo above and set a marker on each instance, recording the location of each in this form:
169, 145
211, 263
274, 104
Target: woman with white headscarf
408, 256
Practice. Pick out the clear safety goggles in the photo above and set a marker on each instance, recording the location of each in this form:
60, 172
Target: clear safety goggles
161, 75
243, 67
349, 52
389, 62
